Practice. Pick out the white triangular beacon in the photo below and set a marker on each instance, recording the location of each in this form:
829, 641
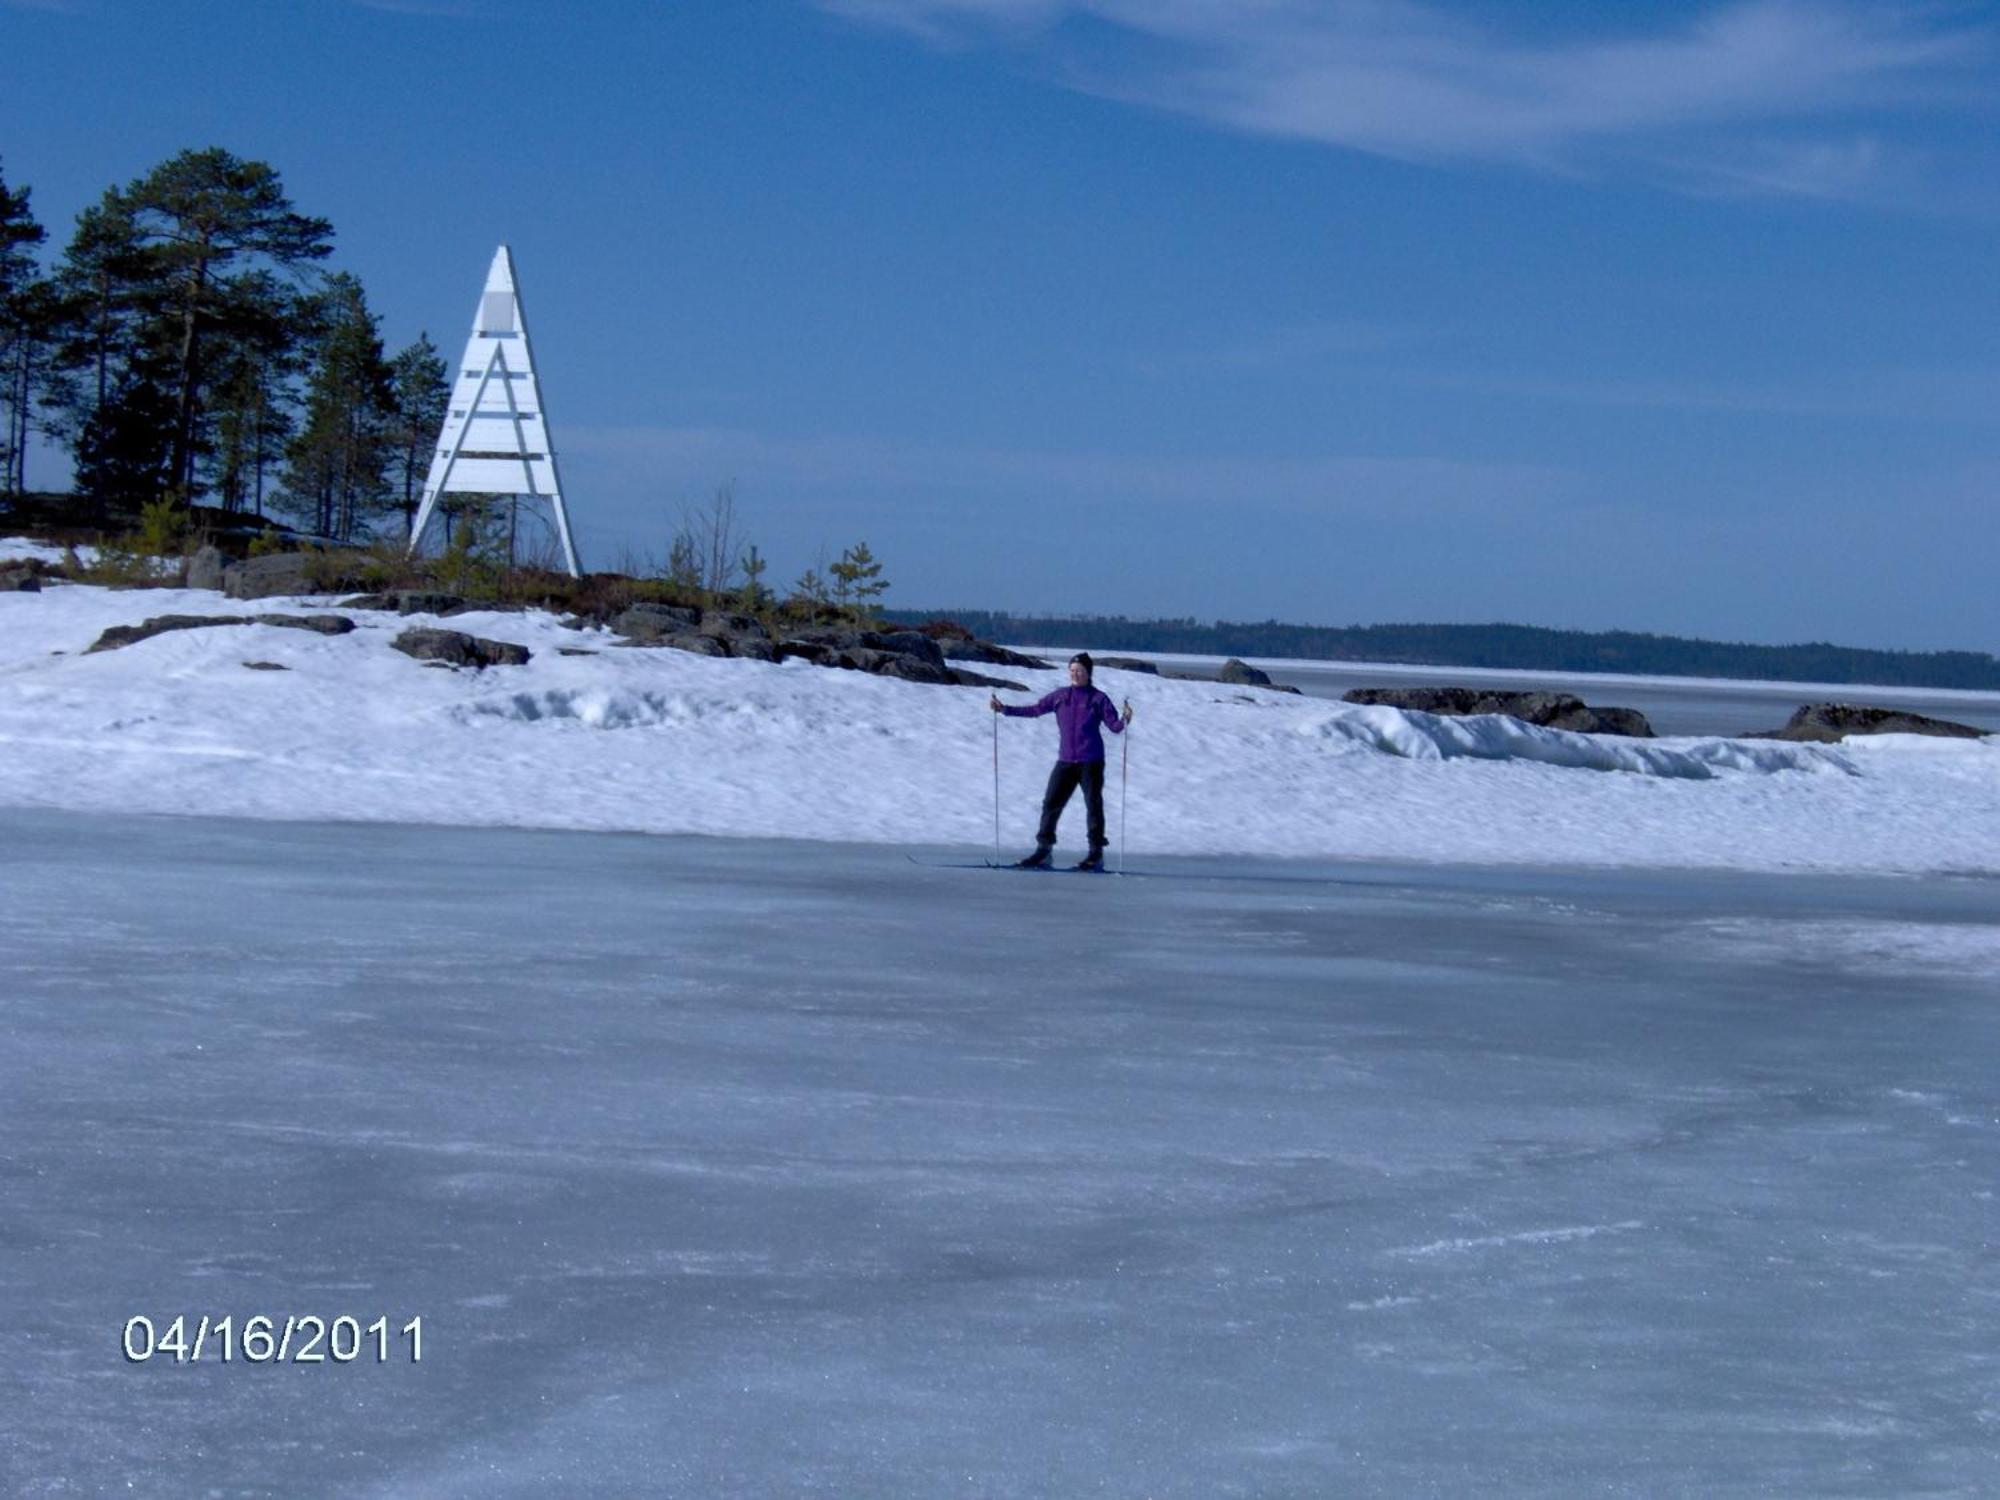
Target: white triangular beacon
495, 439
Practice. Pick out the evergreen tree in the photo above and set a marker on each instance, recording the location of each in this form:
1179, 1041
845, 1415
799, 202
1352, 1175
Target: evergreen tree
857, 578
260, 342
26, 324
338, 477
202, 221
419, 393
99, 290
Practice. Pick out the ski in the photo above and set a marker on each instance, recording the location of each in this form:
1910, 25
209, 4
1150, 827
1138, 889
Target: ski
988, 864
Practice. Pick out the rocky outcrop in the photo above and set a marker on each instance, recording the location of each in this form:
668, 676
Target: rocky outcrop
457, 649
23, 577
262, 577
206, 567
1242, 674
1133, 664
1550, 710
969, 648
973, 679
910, 655
1827, 723
409, 602
700, 645
651, 624
126, 635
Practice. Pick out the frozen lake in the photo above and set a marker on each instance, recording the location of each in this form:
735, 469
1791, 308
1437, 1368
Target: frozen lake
745, 1168
1673, 705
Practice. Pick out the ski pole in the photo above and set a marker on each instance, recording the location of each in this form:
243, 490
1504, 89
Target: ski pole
996, 788
1124, 776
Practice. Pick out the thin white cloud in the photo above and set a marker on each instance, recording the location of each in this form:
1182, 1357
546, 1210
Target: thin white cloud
1696, 101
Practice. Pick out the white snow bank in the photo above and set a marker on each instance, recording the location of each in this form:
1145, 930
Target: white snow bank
1422, 736
14, 548
355, 730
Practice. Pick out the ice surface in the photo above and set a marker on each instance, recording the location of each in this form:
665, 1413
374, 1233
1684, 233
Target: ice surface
751, 1168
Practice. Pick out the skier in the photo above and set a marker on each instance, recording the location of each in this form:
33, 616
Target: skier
1079, 709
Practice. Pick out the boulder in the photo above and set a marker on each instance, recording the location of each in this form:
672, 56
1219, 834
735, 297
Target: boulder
651, 623
126, 635
1826, 723
262, 577
911, 668
1242, 674
905, 643
973, 679
813, 651
700, 645
1549, 710
206, 567
408, 602
23, 577
457, 649
730, 626
965, 648
267, 666
421, 602
1133, 664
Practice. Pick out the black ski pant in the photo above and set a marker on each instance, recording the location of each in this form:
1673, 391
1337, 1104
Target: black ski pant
1064, 779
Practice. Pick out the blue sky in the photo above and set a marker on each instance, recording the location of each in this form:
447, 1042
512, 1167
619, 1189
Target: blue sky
1657, 316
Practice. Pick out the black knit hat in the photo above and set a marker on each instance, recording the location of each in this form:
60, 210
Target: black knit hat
1083, 658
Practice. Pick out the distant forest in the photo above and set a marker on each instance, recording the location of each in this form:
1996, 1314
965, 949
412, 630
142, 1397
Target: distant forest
1523, 648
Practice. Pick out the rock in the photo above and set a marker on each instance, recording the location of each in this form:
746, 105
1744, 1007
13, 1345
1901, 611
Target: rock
1549, 710
965, 648
457, 649
423, 602
905, 643
205, 568
574, 651
813, 651
1626, 721
1826, 723
731, 626
324, 624
261, 577
126, 635
417, 602
267, 666
370, 601
700, 645
973, 679
1130, 664
1242, 674
911, 668
653, 622
23, 577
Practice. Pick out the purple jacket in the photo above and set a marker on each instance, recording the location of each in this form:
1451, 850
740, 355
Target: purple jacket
1078, 712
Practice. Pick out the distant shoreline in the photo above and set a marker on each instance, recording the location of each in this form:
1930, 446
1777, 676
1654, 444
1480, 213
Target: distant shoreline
1496, 647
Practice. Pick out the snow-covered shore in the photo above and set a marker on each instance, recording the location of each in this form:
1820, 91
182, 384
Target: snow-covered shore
663, 741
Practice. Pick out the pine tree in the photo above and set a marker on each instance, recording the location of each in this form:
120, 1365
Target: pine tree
103, 364
203, 220
26, 324
857, 579
338, 476
419, 393
754, 596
